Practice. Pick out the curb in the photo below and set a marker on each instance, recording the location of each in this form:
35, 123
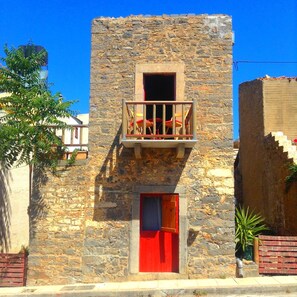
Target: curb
162, 289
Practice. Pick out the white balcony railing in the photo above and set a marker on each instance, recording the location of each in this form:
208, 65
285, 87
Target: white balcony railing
74, 138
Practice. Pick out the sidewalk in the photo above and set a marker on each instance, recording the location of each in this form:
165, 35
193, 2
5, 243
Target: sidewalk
286, 285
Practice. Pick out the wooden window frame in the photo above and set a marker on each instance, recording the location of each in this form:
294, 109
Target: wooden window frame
169, 211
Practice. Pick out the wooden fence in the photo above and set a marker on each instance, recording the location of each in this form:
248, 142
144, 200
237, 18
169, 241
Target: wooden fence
277, 254
12, 270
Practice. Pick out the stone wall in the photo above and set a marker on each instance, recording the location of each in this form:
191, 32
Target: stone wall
57, 220
100, 205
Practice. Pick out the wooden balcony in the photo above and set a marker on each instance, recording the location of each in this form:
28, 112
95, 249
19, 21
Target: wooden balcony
159, 124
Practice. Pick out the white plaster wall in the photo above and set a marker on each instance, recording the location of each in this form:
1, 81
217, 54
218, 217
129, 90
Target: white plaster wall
19, 199
16, 199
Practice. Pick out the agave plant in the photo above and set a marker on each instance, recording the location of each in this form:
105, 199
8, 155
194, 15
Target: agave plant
248, 226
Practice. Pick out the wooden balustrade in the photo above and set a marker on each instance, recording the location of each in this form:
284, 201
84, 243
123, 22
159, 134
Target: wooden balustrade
159, 124
165, 120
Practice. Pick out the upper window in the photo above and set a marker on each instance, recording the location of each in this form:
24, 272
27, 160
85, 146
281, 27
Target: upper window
159, 212
159, 87
168, 77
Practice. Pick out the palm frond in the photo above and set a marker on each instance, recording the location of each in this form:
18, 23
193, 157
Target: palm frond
248, 226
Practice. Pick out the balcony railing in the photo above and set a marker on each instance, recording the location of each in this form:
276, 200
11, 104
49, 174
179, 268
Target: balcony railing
74, 138
159, 124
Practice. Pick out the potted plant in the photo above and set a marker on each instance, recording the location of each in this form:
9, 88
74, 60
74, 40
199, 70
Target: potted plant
81, 155
78, 154
248, 226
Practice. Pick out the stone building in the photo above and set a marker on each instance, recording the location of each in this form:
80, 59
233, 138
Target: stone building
268, 113
156, 196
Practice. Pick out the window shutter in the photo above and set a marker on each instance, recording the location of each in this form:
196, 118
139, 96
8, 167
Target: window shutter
170, 213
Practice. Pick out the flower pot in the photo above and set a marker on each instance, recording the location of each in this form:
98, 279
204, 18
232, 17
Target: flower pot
249, 253
81, 155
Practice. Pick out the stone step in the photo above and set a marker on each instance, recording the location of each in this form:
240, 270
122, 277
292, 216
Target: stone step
286, 145
278, 134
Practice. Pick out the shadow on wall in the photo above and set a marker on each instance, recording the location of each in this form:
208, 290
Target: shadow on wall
5, 210
121, 172
237, 181
37, 208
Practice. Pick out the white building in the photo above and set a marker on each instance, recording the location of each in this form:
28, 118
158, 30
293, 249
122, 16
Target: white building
14, 189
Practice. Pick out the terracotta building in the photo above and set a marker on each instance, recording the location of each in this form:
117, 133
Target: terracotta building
268, 113
156, 196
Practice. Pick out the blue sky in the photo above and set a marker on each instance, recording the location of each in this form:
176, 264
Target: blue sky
265, 30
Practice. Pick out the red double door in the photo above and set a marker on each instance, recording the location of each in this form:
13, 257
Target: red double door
159, 235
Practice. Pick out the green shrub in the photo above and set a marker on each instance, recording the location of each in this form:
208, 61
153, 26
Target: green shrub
292, 177
248, 226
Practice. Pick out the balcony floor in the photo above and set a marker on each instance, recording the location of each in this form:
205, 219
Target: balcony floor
159, 143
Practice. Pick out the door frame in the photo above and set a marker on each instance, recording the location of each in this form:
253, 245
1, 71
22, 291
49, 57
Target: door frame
160, 68
159, 237
135, 224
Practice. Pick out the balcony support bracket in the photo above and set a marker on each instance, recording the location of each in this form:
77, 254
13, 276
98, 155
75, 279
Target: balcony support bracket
180, 151
137, 150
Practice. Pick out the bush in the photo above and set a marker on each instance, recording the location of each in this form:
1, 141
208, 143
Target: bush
248, 226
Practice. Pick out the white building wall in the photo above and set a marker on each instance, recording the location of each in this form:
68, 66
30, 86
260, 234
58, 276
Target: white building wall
19, 201
14, 201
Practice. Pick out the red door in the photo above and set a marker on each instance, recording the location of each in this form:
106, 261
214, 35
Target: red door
159, 233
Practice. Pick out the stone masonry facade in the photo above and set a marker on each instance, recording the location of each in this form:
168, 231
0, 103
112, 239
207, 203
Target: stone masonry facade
83, 218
